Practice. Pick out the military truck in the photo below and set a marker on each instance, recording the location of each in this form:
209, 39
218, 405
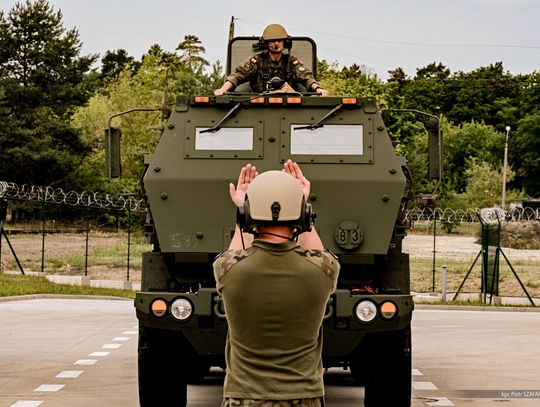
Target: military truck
359, 190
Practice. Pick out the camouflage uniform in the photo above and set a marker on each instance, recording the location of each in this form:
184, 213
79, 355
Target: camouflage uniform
259, 69
275, 297
231, 402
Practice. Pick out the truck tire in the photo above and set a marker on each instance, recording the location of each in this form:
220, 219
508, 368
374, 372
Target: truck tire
162, 380
389, 375
199, 369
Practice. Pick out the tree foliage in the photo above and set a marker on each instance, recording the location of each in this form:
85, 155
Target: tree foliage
161, 76
42, 78
483, 187
54, 109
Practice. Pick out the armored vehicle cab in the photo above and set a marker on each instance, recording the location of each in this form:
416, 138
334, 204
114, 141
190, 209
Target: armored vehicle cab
359, 189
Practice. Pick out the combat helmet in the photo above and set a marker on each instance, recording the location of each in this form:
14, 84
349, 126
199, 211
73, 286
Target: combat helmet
274, 32
275, 198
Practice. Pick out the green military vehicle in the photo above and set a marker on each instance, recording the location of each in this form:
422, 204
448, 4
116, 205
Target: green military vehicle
359, 190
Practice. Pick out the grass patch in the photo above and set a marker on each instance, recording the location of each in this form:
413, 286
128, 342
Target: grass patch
11, 285
473, 303
458, 229
65, 252
422, 276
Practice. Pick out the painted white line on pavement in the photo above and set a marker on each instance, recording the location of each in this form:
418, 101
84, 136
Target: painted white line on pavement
26, 403
69, 374
49, 387
416, 372
130, 332
424, 386
441, 401
448, 326
121, 338
86, 362
99, 354
111, 346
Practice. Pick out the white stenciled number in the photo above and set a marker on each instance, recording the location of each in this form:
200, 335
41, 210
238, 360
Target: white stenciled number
180, 240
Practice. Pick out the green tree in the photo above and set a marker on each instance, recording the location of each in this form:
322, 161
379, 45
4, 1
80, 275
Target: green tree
524, 152
43, 80
483, 95
469, 141
161, 77
114, 62
352, 80
483, 187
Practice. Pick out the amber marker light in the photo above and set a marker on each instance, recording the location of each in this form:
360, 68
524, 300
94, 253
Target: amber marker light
257, 100
202, 99
348, 101
158, 308
388, 310
291, 101
275, 100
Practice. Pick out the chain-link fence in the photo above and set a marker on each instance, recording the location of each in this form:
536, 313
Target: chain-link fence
100, 236
50, 230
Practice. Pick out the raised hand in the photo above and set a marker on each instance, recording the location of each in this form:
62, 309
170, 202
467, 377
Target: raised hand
293, 168
238, 193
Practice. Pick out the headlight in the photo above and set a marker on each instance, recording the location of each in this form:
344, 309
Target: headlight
365, 311
181, 309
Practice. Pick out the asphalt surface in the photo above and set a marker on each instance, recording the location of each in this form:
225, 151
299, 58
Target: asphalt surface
82, 352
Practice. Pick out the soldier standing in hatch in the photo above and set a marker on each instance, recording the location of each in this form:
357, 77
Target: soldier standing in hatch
275, 289
262, 67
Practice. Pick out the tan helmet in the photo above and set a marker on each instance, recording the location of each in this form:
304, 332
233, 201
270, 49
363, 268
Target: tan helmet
275, 196
274, 32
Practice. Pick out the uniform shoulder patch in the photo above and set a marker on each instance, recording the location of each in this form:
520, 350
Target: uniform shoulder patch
323, 259
253, 60
226, 260
297, 61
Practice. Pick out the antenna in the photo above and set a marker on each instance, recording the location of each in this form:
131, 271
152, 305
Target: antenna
231, 28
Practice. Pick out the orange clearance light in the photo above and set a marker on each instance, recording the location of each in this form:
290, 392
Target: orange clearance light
202, 99
275, 100
159, 308
388, 310
257, 100
294, 100
348, 101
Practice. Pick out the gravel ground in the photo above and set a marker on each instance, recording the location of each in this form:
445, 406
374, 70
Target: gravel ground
456, 247
65, 255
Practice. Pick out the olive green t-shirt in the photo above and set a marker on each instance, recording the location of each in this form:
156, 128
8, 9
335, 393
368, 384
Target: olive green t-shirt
275, 297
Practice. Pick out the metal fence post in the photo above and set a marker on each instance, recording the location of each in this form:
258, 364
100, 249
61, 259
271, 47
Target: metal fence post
43, 216
443, 295
434, 248
129, 242
87, 216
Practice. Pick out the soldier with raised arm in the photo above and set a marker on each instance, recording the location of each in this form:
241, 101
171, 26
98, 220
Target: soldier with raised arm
275, 281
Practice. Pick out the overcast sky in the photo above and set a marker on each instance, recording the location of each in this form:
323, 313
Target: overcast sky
380, 34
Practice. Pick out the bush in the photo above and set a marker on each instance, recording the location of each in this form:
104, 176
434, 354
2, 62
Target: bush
521, 235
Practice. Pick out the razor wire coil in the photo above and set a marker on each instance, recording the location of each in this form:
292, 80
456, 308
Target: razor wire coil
137, 203
87, 199
450, 215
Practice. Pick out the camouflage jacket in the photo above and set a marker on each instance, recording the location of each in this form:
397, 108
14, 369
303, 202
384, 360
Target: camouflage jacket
311, 402
259, 69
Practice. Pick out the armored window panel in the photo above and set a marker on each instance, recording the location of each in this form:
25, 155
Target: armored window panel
239, 139
231, 138
328, 140
342, 139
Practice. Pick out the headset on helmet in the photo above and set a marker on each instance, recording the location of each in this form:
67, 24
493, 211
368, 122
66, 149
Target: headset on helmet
276, 32
275, 198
